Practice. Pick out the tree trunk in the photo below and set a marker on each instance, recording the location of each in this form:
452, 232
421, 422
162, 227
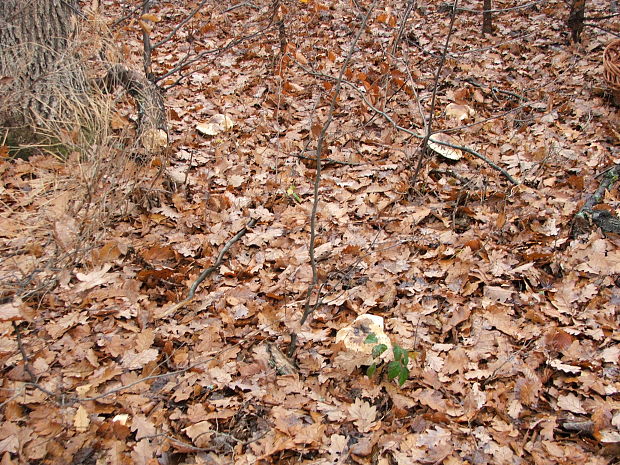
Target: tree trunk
37, 68
43, 83
575, 19
487, 17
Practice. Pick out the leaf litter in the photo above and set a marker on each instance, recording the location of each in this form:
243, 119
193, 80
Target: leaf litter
510, 322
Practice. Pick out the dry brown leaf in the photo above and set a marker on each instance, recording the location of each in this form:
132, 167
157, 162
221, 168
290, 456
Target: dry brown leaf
81, 421
363, 415
571, 403
135, 361
11, 311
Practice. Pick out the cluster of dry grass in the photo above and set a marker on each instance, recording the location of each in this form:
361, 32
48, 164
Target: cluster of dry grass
68, 174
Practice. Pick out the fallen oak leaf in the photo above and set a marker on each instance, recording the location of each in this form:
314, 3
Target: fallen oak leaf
81, 420
135, 361
363, 415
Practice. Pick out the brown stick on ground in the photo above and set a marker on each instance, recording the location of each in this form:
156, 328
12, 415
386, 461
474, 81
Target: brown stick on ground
587, 215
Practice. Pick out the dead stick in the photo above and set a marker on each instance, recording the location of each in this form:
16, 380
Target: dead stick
211, 269
390, 120
308, 309
28, 368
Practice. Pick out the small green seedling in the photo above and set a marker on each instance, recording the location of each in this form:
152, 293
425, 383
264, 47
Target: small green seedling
397, 368
292, 193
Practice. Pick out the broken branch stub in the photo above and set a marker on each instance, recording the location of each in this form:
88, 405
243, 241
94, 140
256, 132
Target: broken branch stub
152, 121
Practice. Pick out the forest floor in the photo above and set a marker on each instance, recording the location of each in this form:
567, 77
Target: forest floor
507, 310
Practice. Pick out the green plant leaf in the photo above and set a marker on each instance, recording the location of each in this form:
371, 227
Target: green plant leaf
378, 350
398, 352
405, 359
403, 375
371, 339
370, 371
393, 370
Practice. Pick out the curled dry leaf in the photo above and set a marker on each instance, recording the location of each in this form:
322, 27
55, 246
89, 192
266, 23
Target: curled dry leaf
81, 421
444, 150
217, 124
11, 311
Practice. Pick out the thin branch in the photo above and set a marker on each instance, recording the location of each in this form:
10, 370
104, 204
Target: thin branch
146, 45
429, 122
241, 5
28, 368
481, 157
327, 161
610, 177
600, 18
490, 47
184, 62
608, 31
497, 10
474, 83
188, 18
319, 150
211, 269
396, 126
403, 23
208, 449
418, 136
159, 376
317, 179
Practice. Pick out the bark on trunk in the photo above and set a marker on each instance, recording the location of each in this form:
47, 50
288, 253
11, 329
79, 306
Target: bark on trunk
487, 17
43, 82
37, 68
575, 19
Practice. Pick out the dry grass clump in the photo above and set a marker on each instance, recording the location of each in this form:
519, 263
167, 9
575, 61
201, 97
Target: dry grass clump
68, 177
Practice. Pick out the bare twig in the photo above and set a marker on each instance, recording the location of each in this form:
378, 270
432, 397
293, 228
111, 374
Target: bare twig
240, 5
159, 376
327, 161
610, 177
403, 22
608, 31
429, 123
186, 61
176, 29
474, 83
497, 10
191, 447
602, 218
147, 49
390, 120
491, 47
317, 179
600, 18
28, 368
211, 269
